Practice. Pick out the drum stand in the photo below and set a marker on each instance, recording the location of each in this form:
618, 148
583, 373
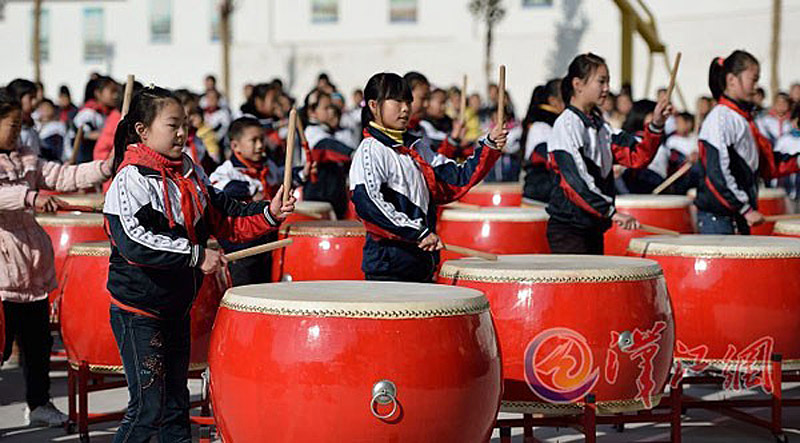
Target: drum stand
587, 421
81, 381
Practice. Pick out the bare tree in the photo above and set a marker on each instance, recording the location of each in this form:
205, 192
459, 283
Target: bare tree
569, 32
490, 12
226, 8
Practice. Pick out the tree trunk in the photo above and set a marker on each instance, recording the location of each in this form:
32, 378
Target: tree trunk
487, 67
37, 33
774, 81
225, 14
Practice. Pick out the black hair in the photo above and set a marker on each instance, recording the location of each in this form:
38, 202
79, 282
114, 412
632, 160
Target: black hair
634, 122
8, 103
795, 113
439, 91
145, 106
96, 84
381, 87
582, 67
211, 77
324, 76
261, 90
311, 102
735, 64
414, 79
539, 97
186, 97
760, 90
689, 117
240, 124
47, 101
784, 96
64, 90
20, 87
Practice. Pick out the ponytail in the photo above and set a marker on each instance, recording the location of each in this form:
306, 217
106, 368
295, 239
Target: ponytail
735, 64
582, 67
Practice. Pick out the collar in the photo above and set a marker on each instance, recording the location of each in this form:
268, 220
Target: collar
142, 155
394, 134
595, 120
544, 113
241, 162
408, 138
742, 108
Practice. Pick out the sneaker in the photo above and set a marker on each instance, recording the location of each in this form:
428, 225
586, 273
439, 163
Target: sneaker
47, 415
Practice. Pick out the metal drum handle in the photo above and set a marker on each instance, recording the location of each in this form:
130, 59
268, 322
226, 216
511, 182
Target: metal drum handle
383, 393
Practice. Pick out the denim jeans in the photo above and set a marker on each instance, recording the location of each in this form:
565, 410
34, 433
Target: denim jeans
708, 223
155, 355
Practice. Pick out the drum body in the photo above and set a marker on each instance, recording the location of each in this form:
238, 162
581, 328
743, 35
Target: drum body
301, 361
494, 194
771, 201
787, 228
664, 211
572, 325
85, 318
311, 210
321, 250
734, 296
495, 230
86, 201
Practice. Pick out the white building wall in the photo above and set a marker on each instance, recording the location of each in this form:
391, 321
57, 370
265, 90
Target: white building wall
277, 38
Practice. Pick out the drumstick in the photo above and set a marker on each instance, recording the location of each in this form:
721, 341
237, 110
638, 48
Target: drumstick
672, 76
659, 231
76, 146
781, 217
462, 112
501, 97
126, 99
255, 250
470, 252
673, 178
287, 172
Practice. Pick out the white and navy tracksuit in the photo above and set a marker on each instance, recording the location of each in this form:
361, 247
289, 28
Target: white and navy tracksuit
734, 153
538, 178
583, 148
333, 159
398, 205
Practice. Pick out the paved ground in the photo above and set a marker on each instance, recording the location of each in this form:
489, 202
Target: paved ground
698, 426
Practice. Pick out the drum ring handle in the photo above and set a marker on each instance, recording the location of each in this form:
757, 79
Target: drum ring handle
383, 393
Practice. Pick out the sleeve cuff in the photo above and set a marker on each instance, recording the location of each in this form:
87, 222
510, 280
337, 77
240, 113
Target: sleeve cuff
30, 198
270, 218
655, 129
198, 254
487, 141
745, 209
611, 211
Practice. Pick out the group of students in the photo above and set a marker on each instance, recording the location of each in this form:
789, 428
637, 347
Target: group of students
162, 206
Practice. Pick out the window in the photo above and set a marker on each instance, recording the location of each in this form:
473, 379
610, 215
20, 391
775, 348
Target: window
536, 3
324, 11
160, 21
94, 41
216, 32
44, 35
403, 11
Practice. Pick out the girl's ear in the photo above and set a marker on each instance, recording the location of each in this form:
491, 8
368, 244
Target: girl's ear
730, 80
141, 130
577, 85
373, 107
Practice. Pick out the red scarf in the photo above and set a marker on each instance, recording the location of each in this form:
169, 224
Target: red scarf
424, 167
141, 155
258, 171
767, 165
97, 106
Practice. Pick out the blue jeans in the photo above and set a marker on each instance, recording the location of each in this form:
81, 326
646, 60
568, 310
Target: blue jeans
155, 355
708, 223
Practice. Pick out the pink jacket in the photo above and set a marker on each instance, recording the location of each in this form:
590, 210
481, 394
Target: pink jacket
26, 255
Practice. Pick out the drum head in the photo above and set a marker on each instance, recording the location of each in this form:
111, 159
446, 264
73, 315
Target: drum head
545, 268
493, 213
325, 228
356, 299
771, 193
314, 207
652, 201
787, 227
489, 188
95, 248
70, 219
93, 200
716, 246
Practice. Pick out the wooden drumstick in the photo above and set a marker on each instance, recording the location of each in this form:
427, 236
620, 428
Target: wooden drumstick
659, 231
501, 97
126, 99
673, 75
462, 112
287, 173
76, 146
781, 217
255, 250
673, 178
77, 208
470, 252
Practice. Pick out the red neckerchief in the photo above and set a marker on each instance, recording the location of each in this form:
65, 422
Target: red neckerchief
97, 106
141, 155
191, 140
211, 109
258, 171
413, 123
762, 143
780, 119
424, 167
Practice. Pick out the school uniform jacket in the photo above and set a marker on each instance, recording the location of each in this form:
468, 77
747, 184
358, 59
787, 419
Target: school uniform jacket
582, 149
333, 159
154, 268
538, 179
733, 154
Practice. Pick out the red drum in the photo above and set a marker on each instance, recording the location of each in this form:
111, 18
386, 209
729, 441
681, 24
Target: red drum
787, 228
531, 203
85, 326
495, 230
311, 210
734, 296
664, 211
322, 250
91, 201
495, 194
771, 201
339, 361
572, 325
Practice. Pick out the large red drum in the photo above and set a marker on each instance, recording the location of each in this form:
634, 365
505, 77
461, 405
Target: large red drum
572, 325
341, 361
494, 194
311, 210
321, 250
787, 228
771, 201
735, 297
495, 230
85, 303
664, 211
82, 201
